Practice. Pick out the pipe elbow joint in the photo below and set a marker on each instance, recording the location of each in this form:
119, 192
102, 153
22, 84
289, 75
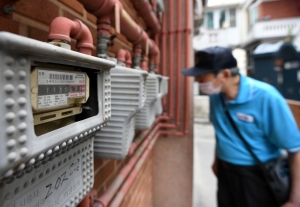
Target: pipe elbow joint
64, 29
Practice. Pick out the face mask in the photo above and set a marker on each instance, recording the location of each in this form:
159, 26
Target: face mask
208, 88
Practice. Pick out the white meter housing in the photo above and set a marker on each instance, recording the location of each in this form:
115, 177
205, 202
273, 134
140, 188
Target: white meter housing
163, 90
146, 116
48, 164
128, 96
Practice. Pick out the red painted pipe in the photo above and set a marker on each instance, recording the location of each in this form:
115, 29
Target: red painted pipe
187, 64
171, 63
64, 29
129, 181
145, 11
164, 53
107, 196
153, 53
128, 59
124, 56
104, 10
121, 53
178, 63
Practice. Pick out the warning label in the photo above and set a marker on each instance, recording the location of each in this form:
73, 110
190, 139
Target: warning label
54, 87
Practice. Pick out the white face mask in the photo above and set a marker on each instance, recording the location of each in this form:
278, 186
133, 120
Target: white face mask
208, 88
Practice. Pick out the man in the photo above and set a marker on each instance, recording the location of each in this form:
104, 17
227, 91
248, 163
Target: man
262, 117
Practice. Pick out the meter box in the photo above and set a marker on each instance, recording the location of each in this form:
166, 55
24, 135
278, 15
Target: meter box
128, 96
54, 100
163, 90
145, 118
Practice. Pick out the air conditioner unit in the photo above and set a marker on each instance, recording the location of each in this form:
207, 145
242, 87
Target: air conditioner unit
163, 90
54, 100
128, 96
146, 116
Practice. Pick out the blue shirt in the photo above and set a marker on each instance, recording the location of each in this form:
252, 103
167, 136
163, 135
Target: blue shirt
263, 118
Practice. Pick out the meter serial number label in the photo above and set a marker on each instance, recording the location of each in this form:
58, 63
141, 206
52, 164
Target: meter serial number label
55, 88
55, 190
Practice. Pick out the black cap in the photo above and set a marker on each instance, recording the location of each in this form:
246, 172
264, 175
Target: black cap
210, 60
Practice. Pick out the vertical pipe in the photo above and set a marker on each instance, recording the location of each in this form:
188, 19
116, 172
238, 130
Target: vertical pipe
164, 55
171, 43
178, 64
187, 64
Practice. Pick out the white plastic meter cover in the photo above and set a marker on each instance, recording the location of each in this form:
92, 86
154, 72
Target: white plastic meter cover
163, 90
145, 118
128, 95
56, 168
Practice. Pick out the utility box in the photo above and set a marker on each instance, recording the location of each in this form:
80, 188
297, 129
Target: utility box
163, 90
128, 95
279, 65
146, 116
54, 101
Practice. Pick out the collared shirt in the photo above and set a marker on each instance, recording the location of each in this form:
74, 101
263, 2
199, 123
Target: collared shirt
262, 117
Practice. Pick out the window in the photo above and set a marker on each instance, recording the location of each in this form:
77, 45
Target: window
210, 20
222, 20
253, 15
232, 19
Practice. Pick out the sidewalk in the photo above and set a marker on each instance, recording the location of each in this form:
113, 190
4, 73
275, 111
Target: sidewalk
204, 189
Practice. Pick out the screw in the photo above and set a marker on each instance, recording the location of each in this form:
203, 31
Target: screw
8, 9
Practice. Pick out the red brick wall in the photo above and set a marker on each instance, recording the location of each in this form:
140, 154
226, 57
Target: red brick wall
32, 19
280, 9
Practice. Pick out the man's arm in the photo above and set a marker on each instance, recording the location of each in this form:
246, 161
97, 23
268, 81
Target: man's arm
294, 199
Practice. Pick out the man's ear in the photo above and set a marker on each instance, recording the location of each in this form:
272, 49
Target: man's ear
226, 73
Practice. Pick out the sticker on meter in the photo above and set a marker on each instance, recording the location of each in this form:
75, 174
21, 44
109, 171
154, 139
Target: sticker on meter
55, 190
55, 87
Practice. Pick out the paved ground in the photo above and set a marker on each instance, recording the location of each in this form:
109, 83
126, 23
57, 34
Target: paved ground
204, 189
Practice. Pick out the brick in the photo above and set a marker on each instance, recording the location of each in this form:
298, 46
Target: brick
102, 175
94, 34
73, 4
9, 25
43, 11
98, 163
279, 9
91, 17
38, 34
69, 15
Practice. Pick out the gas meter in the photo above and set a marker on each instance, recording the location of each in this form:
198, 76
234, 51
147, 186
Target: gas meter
128, 96
54, 101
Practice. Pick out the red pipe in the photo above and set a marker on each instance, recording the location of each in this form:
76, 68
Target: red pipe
178, 63
121, 53
64, 29
164, 53
171, 64
153, 53
104, 10
106, 197
124, 56
145, 11
128, 59
187, 64
129, 181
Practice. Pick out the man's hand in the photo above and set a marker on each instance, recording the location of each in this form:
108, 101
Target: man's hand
294, 200
215, 167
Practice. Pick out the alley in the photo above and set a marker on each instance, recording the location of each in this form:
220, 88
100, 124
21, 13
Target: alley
204, 189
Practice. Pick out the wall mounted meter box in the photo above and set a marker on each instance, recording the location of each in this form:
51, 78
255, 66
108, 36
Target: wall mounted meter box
163, 90
54, 100
146, 116
128, 96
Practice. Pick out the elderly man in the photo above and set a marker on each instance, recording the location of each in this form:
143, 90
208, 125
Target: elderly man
262, 118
